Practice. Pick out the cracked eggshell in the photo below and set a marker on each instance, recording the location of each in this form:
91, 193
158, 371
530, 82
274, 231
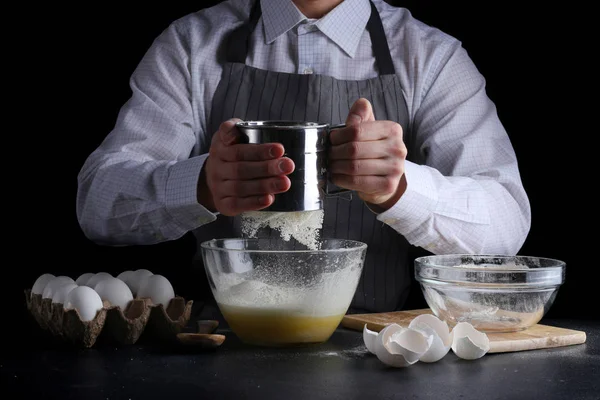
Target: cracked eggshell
430, 325
400, 347
370, 338
384, 336
468, 343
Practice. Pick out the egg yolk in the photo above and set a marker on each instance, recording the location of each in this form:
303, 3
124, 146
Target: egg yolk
276, 327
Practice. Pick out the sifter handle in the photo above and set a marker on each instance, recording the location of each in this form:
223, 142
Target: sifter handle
333, 192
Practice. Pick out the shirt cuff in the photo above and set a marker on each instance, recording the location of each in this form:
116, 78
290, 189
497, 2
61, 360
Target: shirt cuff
416, 205
182, 194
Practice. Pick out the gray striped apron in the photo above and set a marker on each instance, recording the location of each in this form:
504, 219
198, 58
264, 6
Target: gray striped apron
254, 94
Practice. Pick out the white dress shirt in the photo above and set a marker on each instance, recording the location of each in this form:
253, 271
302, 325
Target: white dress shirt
464, 191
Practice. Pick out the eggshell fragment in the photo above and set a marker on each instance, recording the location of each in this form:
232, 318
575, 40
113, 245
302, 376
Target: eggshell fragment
369, 337
430, 325
400, 347
468, 343
40, 283
115, 291
385, 334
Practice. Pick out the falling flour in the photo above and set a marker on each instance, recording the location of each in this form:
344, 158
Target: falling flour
304, 226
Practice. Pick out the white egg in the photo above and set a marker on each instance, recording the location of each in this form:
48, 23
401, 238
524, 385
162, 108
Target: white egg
430, 325
40, 283
400, 347
136, 280
468, 343
54, 284
85, 300
93, 281
158, 289
125, 276
115, 291
60, 295
83, 278
369, 337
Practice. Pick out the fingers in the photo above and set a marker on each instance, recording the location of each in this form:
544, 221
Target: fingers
364, 132
368, 157
366, 150
257, 187
227, 133
251, 152
255, 169
238, 196
226, 144
231, 206
380, 167
361, 111
370, 184
243, 177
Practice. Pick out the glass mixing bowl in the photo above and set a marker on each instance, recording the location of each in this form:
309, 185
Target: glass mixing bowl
271, 294
493, 293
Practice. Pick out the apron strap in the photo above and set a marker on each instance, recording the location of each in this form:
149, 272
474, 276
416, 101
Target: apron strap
380, 43
239, 39
237, 48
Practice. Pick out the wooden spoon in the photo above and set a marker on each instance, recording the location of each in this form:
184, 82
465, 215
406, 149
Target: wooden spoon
207, 326
202, 340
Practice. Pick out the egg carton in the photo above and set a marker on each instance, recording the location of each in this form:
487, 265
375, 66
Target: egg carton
123, 327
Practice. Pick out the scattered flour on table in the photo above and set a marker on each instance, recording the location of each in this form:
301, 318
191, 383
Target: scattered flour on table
357, 352
304, 226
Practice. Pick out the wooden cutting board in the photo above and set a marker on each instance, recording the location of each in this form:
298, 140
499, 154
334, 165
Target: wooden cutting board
537, 337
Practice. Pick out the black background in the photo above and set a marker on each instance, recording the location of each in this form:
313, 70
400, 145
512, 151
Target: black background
73, 65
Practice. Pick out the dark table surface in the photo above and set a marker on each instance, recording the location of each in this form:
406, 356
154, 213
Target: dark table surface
338, 369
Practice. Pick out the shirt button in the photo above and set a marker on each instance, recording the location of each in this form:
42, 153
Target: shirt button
308, 70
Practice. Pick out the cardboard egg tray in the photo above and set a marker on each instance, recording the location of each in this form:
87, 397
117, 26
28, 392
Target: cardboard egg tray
120, 326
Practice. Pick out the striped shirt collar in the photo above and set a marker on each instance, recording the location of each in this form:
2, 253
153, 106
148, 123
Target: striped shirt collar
344, 25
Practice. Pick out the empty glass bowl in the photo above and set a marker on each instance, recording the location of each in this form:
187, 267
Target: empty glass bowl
271, 294
493, 293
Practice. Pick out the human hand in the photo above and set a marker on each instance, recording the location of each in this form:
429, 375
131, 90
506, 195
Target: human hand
239, 177
368, 156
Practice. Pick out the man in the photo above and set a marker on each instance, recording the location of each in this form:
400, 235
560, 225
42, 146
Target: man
424, 150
